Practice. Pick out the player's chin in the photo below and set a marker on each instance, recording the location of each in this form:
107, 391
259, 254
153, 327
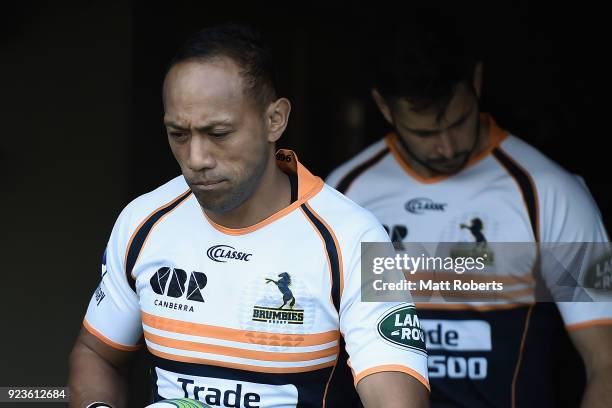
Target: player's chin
211, 200
447, 168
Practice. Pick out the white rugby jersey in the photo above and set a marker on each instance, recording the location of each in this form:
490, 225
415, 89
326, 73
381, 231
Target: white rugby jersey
484, 353
249, 317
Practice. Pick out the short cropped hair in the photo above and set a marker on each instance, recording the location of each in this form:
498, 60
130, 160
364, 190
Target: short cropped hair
422, 58
245, 47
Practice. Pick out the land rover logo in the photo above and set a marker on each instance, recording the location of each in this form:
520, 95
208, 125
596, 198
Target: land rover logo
599, 275
421, 204
401, 327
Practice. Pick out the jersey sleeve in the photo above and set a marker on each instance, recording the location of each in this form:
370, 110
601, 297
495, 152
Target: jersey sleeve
334, 177
571, 219
113, 315
379, 336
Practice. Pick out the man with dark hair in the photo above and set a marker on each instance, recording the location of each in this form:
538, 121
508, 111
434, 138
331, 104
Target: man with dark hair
188, 265
448, 173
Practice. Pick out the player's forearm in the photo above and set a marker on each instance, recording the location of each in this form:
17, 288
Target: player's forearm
392, 390
598, 392
92, 379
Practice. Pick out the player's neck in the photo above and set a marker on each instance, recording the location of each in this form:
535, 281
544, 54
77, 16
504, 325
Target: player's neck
271, 195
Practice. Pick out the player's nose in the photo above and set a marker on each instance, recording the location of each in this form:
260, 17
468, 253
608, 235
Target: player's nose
201, 155
445, 145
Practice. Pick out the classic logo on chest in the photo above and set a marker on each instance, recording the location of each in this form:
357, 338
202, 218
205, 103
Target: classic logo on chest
223, 253
421, 205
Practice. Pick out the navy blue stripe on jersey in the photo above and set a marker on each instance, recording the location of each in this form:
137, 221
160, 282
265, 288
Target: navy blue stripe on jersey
332, 252
154, 393
293, 180
310, 384
341, 391
526, 185
507, 329
347, 180
555, 362
141, 234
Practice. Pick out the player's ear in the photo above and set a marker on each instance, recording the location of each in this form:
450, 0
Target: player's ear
277, 118
382, 104
477, 80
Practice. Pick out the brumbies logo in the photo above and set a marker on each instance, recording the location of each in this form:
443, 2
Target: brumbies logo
476, 249
401, 327
475, 228
283, 285
221, 253
289, 315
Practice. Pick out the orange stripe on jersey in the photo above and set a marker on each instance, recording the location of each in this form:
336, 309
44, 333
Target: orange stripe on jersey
496, 136
520, 356
244, 336
590, 323
526, 186
308, 184
108, 341
240, 352
467, 306
329, 381
395, 368
335, 264
331, 231
247, 367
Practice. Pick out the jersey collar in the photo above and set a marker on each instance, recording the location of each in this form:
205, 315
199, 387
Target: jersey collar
496, 136
308, 185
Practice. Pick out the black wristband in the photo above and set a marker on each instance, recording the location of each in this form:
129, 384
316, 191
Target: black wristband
99, 405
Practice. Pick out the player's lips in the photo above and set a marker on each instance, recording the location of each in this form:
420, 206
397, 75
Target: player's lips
208, 184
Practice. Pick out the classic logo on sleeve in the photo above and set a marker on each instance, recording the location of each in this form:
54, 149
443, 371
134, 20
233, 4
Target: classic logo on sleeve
401, 327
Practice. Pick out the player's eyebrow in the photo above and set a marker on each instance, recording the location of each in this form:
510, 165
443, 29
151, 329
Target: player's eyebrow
432, 131
169, 123
205, 128
213, 125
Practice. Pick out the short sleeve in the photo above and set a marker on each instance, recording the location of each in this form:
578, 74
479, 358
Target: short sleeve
573, 229
379, 336
113, 315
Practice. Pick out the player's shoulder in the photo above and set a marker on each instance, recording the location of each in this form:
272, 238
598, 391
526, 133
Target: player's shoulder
547, 175
149, 203
346, 218
568, 211
375, 151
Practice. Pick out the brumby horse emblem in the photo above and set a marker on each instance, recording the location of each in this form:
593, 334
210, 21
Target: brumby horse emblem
278, 315
283, 285
476, 229
479, 248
